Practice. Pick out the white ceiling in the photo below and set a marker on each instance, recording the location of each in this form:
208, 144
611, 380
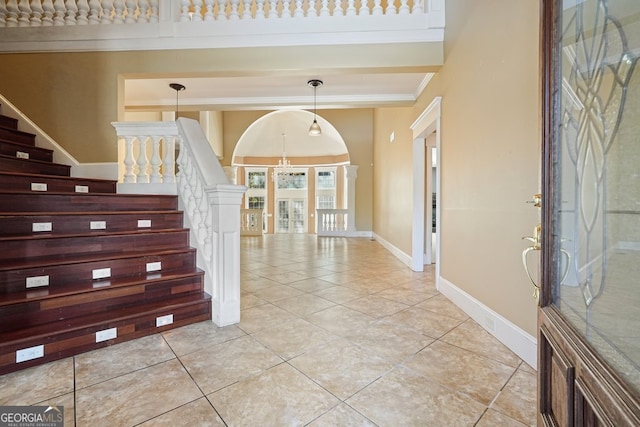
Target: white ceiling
282, 91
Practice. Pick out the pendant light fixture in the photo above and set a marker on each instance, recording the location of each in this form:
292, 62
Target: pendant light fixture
178, 88
315, 130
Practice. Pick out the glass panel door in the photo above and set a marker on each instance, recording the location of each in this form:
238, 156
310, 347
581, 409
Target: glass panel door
596, 205
292, 215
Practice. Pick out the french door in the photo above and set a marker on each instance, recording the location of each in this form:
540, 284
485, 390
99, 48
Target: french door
589, 311
291, 215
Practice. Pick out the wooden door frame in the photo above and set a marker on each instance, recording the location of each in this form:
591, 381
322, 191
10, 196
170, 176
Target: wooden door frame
575, 385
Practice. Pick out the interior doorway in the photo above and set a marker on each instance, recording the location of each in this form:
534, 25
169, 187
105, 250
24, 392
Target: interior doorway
291, 216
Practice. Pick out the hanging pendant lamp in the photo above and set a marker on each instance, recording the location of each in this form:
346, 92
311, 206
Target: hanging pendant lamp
315, 130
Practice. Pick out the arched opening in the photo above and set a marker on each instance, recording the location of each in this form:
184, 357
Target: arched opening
316, 178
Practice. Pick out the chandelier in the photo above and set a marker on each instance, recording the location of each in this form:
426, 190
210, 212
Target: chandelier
282, 173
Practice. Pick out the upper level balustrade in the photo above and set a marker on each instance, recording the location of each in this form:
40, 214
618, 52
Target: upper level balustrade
231, 21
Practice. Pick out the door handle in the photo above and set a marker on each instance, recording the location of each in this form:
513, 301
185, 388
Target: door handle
535, 239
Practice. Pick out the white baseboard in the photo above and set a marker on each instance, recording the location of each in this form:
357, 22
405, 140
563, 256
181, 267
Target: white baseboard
149, 188
406, 259
516, 339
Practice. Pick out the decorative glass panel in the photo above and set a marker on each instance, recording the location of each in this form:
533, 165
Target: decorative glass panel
292, 181
326, 180
256, 180
597, 201
256, 202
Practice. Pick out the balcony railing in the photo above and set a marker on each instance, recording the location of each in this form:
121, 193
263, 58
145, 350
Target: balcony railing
155, 24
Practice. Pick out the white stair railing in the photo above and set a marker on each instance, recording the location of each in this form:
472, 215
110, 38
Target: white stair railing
211, 204
251, 222
333, 222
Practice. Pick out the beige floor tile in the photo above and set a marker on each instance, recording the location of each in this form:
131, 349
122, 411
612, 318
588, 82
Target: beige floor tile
340, 294
341, 415
254, 285
342, 368
470, 336
518, 398
369, 285
461, 370
375, 306
391, 341
249, 299
342, 277
293, 338
427, 322
110, 362
284, 277
188, 339
33, 385
404, 296
67, 401
493, 418
340, 320
218, 366
263, 317
404, 398
441, 305
280, 396
525, 367
199, 413
135, 397
278, 292
305, 304
311, 285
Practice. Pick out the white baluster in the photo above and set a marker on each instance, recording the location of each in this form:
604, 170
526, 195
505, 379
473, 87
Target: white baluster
168, 163
404, 7
208, 16
72, 12
153, 14
246, 12
49, 11
351, 8
130, 15
60, 11
83, 12
3, 15
143, 5
36, 13
377, 8
286, 9
417, 7
273, 9
12, 13
222, 10
118, 6
156, 162
107, 11
233, 15
313, 8
260, 12
128, 161
298, 11
185, 15
198, 11
94, 12
25, 13
142, 162
324, 10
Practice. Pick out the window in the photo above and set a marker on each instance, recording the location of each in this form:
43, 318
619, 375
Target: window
326, 188
326, 179
326, 202
256, 181
292, 181
256, 202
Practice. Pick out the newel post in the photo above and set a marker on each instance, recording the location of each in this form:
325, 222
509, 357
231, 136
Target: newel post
225, 200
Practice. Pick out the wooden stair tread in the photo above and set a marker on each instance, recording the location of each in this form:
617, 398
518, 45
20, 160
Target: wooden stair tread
84, 202
12, 134
15, 164
87, 213
45, 331
34, 262
10, 148
8, 122
36, 294
95, 233
66, 178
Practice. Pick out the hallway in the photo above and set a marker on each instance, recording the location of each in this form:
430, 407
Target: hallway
334, 332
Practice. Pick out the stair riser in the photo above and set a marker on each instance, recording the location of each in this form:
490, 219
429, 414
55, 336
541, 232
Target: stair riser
17, 136
85, 203
55, 185
35, 153
13, 164
8, 122
70, 275
23, 249
71, 224
69, 343
36, 313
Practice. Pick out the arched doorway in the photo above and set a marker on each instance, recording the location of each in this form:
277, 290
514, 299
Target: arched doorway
316, 177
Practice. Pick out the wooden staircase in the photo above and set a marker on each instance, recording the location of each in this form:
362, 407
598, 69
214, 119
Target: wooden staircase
82, 267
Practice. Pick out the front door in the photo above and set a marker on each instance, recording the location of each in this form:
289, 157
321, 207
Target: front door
589, 312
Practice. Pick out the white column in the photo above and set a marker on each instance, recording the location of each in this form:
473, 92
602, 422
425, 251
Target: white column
351, 175
232, 173
224, 200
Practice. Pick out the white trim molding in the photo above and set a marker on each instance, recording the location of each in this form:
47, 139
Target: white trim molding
516, 339
403, 257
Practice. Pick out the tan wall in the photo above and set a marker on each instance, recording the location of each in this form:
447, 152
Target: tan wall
356, 128
489, 157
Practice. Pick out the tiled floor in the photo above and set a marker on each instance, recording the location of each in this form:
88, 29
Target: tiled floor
334, 332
